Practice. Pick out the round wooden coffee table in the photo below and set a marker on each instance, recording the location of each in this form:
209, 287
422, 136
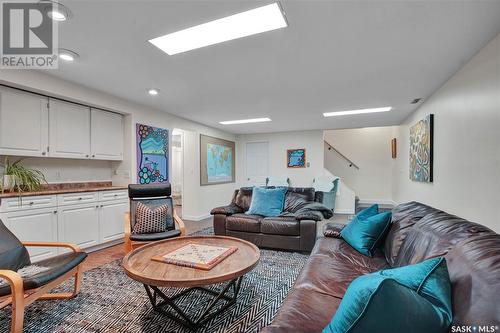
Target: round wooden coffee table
139, 266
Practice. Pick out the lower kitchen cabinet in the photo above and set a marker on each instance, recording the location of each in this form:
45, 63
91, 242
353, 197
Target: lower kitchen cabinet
35, 225
79, 224
111, 225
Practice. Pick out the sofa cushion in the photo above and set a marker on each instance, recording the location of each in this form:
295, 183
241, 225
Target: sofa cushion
334, 264
244, 198
286, 225
395, 296
267, 201
155, 236
298, 197
365, 234
244, 222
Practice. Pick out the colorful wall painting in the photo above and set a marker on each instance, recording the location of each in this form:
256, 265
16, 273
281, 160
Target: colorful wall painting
421, 150
152, 154
296, 158
217, 161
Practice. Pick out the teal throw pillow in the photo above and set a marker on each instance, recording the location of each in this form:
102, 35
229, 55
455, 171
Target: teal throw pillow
267, 201
368, 212
364, 235
410, 299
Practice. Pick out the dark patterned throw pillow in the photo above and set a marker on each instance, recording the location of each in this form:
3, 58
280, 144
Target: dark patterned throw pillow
148, 220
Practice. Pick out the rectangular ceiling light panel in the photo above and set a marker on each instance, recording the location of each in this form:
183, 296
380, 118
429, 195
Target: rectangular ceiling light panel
251, 22
361, 111
244, 121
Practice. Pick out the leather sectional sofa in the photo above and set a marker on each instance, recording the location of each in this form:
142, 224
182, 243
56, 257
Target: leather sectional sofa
295, 229
418, 232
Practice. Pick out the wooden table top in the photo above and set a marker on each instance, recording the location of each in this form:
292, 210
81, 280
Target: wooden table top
139, 266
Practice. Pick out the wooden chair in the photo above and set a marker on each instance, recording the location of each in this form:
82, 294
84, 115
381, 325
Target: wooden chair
27, 283
154, 196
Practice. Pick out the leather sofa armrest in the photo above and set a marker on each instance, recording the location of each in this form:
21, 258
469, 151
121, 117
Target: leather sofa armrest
333, 229
227, 210
310, 215
307, 234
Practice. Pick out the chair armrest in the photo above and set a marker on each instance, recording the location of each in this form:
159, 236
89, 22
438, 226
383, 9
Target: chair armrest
333, 229
180, 224
15, 281
73, 247
227, 210
128, 228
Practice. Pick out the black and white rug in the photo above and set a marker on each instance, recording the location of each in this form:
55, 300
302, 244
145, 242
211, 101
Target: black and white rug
112, 302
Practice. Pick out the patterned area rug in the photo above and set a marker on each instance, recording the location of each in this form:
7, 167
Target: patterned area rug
112, 302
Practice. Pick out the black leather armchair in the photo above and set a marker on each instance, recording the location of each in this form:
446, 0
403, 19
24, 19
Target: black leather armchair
151, 195
26, 283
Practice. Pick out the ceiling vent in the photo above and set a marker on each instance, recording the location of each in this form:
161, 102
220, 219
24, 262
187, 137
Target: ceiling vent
416, 100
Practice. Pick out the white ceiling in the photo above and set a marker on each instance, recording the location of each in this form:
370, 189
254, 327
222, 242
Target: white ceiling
335, 55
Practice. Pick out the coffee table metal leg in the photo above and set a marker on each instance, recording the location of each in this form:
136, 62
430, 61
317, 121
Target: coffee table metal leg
154, 293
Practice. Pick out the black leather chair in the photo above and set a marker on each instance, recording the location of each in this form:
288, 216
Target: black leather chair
23, 283
151, 195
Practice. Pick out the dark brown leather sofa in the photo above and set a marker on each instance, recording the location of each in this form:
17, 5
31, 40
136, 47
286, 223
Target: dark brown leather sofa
418, 232
295, 229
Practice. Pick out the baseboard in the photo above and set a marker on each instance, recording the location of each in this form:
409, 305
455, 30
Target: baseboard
195, 217
382, 202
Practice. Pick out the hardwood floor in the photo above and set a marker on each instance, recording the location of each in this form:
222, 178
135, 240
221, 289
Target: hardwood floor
102, 257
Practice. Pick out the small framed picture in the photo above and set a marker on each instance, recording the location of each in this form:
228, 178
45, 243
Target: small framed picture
296, 158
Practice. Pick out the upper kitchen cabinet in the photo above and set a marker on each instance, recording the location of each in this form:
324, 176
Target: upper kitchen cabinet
106, 135
69, 130
23, 123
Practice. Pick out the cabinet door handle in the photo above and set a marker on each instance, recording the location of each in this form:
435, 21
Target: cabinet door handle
55, 212
87, 155
80, 198
43, 153
31, 203
93, 155
97, 206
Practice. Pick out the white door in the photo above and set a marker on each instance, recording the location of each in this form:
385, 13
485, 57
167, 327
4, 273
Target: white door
79, 224
111, 221
34, 225
106, 135
23, 123
257, 163
69, 130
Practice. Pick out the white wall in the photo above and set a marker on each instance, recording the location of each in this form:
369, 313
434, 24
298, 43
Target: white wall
370, 150
203, 198
466, 144
312, 141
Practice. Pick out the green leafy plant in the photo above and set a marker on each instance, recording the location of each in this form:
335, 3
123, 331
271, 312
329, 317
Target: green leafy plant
24, 179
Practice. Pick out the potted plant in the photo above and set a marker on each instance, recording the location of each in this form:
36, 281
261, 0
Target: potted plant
18, 178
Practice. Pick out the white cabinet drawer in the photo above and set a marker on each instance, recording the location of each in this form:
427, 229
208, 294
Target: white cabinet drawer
113, 195
76, 198
18, 203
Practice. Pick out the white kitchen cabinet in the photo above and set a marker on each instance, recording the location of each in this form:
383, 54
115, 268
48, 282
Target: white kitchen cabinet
106, 135
23, 123
34, 225
69, 130
111, 217
79, 224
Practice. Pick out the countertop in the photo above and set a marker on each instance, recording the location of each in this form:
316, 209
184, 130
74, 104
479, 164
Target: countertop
51, 189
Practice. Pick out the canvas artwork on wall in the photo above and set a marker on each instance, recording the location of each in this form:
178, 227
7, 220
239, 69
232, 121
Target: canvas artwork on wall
296, 158
421, 150
217, 161
152, 154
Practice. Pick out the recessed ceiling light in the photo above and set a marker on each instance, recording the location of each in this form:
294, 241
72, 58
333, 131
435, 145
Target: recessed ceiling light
67, 55
153, 92
244, 121
250, 22
56, 11
360, 111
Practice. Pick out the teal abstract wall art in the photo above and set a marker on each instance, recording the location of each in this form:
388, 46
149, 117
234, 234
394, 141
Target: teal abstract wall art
152, 154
